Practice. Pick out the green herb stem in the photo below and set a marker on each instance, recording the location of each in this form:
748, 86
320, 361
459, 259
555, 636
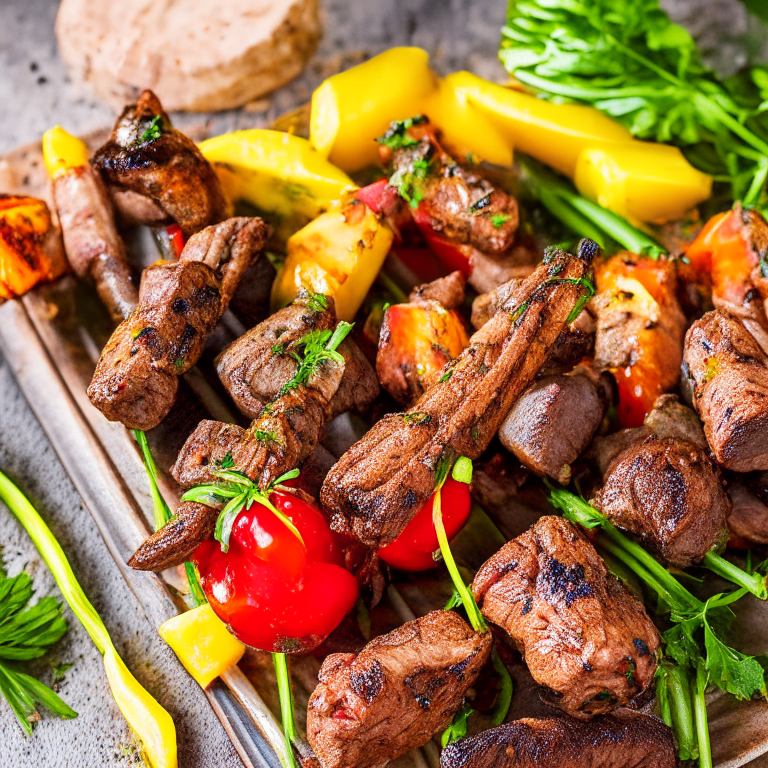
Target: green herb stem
504, 699
286, 708
398, 294
681, 706
699, 687
752, 582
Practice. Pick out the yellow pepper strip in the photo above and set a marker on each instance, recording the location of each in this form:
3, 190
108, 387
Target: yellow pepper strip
338, 254
278, 173
62, 152
555, 134
465, 130
203, 643
352, 109
149, 720
641, 181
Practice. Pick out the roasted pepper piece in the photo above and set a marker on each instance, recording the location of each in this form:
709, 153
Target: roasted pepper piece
641, 181
338, 254
278, 173
415, 343
62, 151
202, 642
30, 247
554, 134
352, 109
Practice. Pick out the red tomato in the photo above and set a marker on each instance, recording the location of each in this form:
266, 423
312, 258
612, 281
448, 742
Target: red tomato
273, 593
413, 548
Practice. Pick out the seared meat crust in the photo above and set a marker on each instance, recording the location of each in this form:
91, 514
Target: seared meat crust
93, 246
728, 372
749, 515
393, 696
377, 487
135, 381
163, 178
448, 291
624, 739
582, 633
554, 421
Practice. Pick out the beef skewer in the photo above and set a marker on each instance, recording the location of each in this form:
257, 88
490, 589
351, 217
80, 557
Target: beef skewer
377, 487
621, 739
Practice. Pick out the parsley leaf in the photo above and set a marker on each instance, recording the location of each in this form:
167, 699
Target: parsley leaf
499, 219
397, 136
458, 727
409, 182
153, 131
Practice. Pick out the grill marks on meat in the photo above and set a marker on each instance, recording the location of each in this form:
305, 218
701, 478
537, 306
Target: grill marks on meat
625, 739
159, 179
583, 635
377, 487
663, 488
135, 381
728, 372
554, 421
254, 368
93, 246
393, 696
455, 203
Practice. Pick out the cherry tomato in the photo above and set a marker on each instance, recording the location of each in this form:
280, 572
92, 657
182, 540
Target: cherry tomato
412, 549
275, 593
638, 389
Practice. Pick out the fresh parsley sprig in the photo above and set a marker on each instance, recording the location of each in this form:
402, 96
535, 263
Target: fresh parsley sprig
27, 632
627, 59
237, 492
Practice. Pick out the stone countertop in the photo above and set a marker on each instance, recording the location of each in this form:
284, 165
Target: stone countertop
36, 93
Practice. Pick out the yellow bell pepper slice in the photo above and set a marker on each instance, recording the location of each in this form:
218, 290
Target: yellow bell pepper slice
641, 181
555, 134
278, 173
203, 643
149, 720
352, 109
62, 152
338, 254
465, 130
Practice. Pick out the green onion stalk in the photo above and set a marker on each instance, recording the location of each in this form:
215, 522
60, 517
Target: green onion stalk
462, 472
163, 513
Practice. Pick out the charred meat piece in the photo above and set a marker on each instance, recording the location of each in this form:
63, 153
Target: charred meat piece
418, 338
448, 291
157, 174
621, 740
393, 696
254, 368
728, 372
666, 491
582, 633
640, 329
93, 246
378, 486
748, 520
453, 202
576, 342
135, 381
554, 420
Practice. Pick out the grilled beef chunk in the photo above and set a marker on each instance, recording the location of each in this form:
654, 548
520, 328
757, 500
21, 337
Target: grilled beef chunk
93, 246
158, 174
135, 381
624, 739
728, 373
378, 486
419, 337
554, 421
582, 633
639, 323
748, 520
254, 368
454, 202
393, 696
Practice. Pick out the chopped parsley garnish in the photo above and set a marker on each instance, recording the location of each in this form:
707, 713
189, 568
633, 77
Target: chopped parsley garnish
416, 417
318, 302
226, 463
447, 375
278, 349
410, 183
499, 219
397, 135
154, 131
266, 437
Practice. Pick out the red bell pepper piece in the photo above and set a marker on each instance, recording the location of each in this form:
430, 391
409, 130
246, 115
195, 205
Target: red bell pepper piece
413, 548
275, 592
175, 238
452, 256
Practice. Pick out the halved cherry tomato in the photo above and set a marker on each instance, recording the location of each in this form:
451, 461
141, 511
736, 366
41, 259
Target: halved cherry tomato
413, 548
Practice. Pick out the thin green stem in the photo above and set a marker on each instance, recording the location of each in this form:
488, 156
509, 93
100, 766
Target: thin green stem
162, 511
195, 590
286, 708
681, 706
699, 686
473, 612
752, 582
399, 295
505, 689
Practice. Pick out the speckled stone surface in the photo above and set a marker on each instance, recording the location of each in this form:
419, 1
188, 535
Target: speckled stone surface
35, 92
